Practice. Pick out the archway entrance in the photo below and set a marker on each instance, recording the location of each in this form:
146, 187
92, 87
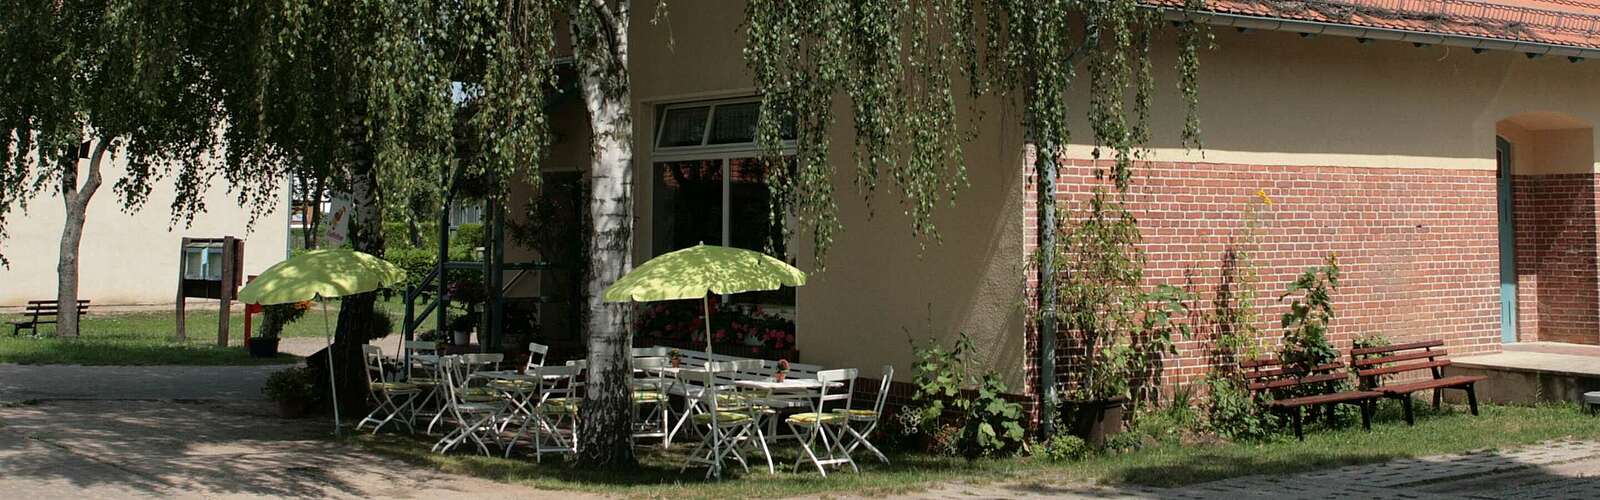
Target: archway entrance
1549, 278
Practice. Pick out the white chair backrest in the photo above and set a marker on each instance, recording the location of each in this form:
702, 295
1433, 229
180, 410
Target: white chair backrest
453, 375
372, 357
420, 347
560, 381
883, 389
844, 376
536, 354
651, 363
650, 352
474, 362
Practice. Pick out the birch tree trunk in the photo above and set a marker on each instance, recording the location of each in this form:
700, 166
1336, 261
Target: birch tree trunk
76, 200
607, 413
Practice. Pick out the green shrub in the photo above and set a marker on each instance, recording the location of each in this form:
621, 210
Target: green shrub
290, 384
1233, 414
468, 235
984, 423
1064, 448
276, 316
1305, 326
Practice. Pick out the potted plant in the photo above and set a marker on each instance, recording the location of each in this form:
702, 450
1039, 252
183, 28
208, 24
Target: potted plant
291, 389
1121, 329
676, 358
783, 371
273, 319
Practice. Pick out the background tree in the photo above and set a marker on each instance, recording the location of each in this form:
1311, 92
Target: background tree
94, 80
898, 65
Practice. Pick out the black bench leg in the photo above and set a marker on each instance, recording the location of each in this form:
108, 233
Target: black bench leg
1410, 418
1472, 399
1438, 399
1299, 433
1330, 415
1366, 415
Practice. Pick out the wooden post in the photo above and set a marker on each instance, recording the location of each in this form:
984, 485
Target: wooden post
182, 248
229, 284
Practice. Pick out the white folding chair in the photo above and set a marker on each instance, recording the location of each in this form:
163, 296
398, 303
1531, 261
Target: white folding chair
552, 417
536, 355
475, 417
466, 365
425, 376
650, 392
393, 399
727, 419
861, 422
824, 424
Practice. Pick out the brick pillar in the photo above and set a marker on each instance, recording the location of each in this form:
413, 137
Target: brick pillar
1558, 296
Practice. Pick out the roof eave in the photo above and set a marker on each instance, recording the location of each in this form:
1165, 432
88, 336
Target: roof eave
1267, 23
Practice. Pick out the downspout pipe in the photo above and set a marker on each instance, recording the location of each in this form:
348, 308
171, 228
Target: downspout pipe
1372, 33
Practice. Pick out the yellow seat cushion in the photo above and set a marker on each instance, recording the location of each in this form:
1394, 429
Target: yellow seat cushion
561, 405
479, 395
723, 418
514, 385
423, 382
815, 418
394, 386
858, 414
648, 397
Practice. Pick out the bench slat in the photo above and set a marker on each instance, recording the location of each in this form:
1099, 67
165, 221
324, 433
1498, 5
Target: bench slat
1396, 358
1291, 382
1397, 347
1435, 383
1321, 399
1278, 372
1403, 368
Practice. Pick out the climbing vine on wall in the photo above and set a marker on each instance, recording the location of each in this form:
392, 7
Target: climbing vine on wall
904, 66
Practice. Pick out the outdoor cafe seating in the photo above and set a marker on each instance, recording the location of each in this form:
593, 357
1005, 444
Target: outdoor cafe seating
729, 407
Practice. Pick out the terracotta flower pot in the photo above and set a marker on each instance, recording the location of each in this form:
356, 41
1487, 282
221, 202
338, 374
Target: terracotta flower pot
780, 376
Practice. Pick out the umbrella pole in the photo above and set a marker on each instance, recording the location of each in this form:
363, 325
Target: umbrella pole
706, 303
333, 384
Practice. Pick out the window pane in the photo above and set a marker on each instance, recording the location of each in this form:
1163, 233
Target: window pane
687, 204
683, 127
735, 123
751, 227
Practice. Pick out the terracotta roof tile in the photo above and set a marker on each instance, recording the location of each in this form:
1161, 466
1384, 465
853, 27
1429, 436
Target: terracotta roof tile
1573, 23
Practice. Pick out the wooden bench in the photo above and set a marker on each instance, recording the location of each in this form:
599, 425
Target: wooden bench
43, 312
1373, 364
1266, 377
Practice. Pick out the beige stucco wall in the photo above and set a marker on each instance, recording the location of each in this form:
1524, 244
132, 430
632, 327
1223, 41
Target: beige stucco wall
1266, 99
130, 258
881, 286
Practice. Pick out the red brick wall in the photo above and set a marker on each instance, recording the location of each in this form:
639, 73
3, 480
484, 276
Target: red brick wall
1558, 298
1417, 247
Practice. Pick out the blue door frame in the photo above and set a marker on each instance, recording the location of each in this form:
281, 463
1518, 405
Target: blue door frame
1508, 241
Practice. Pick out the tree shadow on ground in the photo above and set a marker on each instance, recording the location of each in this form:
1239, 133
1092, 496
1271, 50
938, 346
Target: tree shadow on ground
164, 448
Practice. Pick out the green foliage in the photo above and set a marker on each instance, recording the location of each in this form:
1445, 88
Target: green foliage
468, 235
993, 423
1124, 328
1371, 340
1064, 447
984, 424
289, 384
276, 316
1305, 325
1233, 414
1234, 311
897, 65
122, 75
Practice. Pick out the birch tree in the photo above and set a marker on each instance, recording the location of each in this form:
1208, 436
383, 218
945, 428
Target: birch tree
84, 82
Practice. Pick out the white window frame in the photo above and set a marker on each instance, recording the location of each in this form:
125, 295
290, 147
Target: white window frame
723, 154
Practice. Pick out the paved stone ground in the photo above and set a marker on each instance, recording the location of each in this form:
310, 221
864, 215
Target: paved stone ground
226, 449
1554, 470
57, 382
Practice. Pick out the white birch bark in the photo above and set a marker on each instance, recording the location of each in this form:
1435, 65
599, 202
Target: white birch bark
76, 200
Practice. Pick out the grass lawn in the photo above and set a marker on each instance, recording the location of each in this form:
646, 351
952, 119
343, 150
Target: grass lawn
147, 338
1161, 462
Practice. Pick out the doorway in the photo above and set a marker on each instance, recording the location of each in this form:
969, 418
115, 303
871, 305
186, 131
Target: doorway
1508, 240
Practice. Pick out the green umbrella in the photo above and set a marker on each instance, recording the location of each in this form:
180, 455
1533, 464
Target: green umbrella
701, 270
322, 274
